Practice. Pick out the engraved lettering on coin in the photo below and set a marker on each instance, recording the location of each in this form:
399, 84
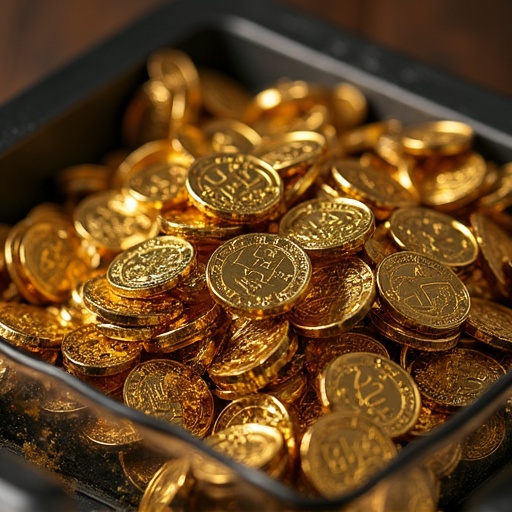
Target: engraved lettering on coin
258, 274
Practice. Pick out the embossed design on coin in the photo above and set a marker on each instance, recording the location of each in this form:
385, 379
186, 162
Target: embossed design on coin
434, 234
342, 451
372, 385
258, 275
490, 322
339, 296
235, 187
87, 351
151, 267
329, 227
114, 435
422, 292
172, 392
486, 439
451, 380
107, 221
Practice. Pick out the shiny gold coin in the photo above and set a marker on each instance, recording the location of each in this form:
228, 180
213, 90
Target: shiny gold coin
151, 267
373, 385
252, 444
30, 327
491, 323
486, 439
260, 408
110, 385
160, 186
434, 234
222, 95
112, 434
172, 392
320, 352
327, 228
111, 221
62, 404
89, 352
258, 275
169, 488
253, 356
342, 451
363, 138
132, 334
499, 198
375, 250
339, 296
229, 136
437, 137
451, 380
422, 293
372, 185
298, 185
349, 105
290, 390
452, 182
198, 321
290, 152
395, 331
100, 299
235, 187
495, 249
196, 227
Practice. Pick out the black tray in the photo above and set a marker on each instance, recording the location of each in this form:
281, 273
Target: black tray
74, 117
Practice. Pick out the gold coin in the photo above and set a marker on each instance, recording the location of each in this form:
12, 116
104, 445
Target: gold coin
289, 153
396, 332
452, 182
434, 234
151, 267
197, 322
258, 275
197, 227
89, 352
437, 137
499, 198
253, 356
495, 249
486, 439
222, 95
49, 254
252, 444
342, 451
160, 186
490, 322
172, 392
296, 186
169, 488
363, 138
140, 464
368, 383
100, 299
30, 327
80, 180
235, 187
290, 390
328, 227
110, 385
229, 136
319, 352
451, 380
260, 408
338, 297
349, 105
132, 334
422, 293
372, 185
61, 403
110, 221
112, 434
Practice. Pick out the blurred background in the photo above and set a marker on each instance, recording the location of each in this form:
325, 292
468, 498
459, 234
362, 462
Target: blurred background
470, 38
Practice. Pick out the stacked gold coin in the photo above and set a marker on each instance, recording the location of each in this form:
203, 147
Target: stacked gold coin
304, 291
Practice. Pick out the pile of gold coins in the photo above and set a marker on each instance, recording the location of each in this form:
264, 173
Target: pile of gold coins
306, 292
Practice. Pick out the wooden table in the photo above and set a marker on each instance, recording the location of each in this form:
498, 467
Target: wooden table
472, 39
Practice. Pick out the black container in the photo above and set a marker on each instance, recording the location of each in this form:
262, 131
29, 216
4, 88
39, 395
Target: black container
74, 117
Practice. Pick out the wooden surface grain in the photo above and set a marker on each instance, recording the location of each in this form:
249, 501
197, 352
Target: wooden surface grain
467, 37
